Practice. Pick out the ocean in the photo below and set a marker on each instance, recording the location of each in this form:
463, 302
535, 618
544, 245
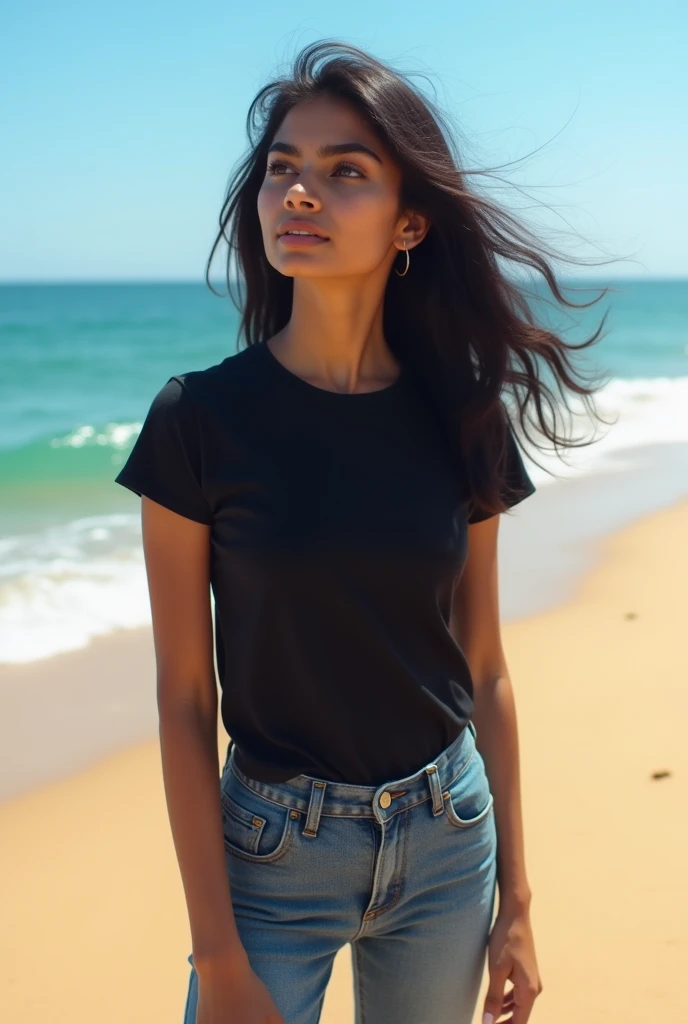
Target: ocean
81, 364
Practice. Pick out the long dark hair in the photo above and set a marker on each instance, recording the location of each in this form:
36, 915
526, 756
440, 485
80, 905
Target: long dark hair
462, 325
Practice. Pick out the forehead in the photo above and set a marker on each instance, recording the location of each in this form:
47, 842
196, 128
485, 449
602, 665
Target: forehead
326, 120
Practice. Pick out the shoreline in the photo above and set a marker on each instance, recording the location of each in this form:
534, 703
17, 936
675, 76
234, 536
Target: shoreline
551, 543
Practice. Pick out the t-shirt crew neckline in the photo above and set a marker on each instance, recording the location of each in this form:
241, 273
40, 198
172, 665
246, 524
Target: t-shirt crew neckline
305, 387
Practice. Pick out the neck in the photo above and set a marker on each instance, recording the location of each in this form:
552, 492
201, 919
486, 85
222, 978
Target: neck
334, 338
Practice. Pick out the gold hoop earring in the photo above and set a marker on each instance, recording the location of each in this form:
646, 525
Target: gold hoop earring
408, 260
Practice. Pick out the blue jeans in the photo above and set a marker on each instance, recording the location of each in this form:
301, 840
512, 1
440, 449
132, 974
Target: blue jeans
405, 872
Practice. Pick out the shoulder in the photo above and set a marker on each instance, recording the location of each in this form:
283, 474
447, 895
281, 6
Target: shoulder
230, 378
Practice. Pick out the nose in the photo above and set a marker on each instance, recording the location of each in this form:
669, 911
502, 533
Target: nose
298, 196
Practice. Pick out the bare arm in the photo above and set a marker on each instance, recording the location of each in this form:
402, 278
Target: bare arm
476, 628
176, 552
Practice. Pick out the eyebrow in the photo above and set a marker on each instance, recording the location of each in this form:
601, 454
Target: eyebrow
330, 149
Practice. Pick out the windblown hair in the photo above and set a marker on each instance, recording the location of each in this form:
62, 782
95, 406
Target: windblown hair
457, 320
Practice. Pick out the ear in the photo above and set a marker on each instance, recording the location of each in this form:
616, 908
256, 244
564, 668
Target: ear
413, 229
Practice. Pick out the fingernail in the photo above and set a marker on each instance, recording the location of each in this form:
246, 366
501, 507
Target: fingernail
488, 1018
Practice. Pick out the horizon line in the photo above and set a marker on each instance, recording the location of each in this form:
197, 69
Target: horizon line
27, 282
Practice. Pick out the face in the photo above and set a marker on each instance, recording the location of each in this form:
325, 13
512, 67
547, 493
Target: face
351, 196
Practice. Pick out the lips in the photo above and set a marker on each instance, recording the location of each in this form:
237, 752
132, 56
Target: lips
293, 242
297, 226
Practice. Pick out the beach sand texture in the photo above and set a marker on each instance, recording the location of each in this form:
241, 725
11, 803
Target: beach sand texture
94, 925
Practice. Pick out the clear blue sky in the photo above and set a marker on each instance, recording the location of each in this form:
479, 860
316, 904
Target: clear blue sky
120, 122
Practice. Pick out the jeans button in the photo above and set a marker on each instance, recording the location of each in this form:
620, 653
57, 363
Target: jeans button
385, 800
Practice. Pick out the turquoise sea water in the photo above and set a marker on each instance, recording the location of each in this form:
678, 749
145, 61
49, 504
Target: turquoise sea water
80, 366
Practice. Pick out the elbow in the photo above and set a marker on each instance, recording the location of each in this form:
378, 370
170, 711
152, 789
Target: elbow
187, 700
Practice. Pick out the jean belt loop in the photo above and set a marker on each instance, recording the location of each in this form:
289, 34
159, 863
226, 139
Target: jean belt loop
472, 727
435, 789
314, 808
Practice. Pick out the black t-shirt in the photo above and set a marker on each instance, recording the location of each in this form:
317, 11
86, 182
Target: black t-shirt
339, 529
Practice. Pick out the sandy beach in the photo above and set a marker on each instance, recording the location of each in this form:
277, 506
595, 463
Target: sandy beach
94, 921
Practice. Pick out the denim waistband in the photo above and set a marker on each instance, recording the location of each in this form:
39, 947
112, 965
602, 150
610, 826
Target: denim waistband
316, 796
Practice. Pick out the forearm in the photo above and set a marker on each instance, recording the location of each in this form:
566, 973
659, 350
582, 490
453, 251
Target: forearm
494, 717
188, 743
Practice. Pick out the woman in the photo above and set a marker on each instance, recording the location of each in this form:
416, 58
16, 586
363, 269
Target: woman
338, 484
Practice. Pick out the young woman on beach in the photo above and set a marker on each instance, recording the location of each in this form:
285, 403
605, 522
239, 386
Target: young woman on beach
338, 484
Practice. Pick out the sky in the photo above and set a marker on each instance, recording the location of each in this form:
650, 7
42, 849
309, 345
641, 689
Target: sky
120, 123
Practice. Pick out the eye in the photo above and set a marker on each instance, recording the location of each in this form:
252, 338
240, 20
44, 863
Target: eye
349, 167
273, 166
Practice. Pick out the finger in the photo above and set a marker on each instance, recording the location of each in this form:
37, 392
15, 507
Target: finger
508, 1003
523, 1007
508, 1000
494, 998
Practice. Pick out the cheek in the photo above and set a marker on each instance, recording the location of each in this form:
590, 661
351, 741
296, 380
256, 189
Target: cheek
369, 221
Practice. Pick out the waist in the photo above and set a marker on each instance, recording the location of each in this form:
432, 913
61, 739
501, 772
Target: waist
354, 800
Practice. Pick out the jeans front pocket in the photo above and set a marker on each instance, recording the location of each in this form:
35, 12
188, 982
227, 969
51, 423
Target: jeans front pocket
468, 799
255, 828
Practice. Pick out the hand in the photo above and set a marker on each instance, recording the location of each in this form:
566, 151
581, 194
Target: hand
231, 992
511, 955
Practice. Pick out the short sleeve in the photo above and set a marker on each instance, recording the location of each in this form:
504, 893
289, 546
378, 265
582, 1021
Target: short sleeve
517, 483
165, 462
